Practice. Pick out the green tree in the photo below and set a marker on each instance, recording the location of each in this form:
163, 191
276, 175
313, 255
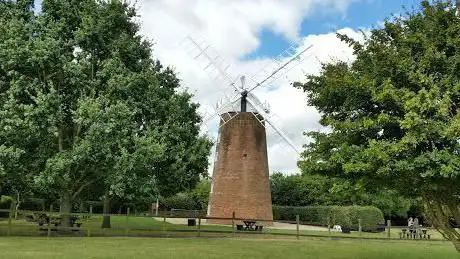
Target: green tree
84, 104
308, 190
297, 190
393, 112
15, 174
201, 192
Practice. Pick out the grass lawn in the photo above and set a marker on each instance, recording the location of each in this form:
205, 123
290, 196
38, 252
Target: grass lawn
139, 248
147, 226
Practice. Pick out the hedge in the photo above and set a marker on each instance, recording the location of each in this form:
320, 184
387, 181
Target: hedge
333, 215
5, 204
181, 201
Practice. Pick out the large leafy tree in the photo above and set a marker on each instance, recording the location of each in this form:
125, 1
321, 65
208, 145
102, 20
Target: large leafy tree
84, 104
296, 190
15, 176
393, 113
308, 190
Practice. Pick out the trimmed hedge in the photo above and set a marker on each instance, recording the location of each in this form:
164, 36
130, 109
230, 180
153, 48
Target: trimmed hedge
183, 205
180, 201
333, 215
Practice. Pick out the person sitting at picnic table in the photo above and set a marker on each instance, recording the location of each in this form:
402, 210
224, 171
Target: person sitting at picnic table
410, 225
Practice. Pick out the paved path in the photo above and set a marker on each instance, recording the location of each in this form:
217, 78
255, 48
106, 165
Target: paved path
280, 225
276, 225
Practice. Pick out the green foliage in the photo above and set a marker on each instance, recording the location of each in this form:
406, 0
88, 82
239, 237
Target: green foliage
84, 105
296, 190
195, 199
33, 204
201, 193
389, 202
5, 201
393, 113
308, 190
5, 204
181, 201
332, 215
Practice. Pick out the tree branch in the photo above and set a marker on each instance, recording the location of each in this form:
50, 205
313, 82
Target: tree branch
83, 186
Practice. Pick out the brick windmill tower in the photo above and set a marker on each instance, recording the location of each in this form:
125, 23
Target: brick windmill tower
240, 180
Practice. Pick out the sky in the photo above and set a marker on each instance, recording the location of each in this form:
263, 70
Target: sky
247, 36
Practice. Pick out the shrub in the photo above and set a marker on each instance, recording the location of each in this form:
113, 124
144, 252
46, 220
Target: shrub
33, 204
5, 204
180, 201
333, 215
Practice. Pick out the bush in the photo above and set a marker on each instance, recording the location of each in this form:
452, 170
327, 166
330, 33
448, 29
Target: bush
180, 201
333, 215
5, 204
32, 204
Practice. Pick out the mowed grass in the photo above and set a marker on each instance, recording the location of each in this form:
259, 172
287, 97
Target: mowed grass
148, 226
139, 248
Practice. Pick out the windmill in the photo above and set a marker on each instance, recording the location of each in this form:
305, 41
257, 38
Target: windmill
240, 183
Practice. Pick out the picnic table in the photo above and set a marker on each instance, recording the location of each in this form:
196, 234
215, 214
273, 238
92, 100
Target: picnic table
414, 233
53, 222
249, 224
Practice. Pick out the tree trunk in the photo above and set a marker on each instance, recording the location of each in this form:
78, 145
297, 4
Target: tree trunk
106, 211
18, 203
65, 209
439, 208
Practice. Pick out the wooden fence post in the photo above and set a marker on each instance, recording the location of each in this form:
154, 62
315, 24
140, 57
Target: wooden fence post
10, 218
199, 226
233, 224
88, 230
297, 220
359, 227
164, 224
127, 222
157, 205
49, 220
389, 228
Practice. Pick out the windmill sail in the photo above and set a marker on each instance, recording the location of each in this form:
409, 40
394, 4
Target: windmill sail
218, 70
267, 119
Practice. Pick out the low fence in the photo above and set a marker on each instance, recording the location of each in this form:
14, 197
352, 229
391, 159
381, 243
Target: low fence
176, 224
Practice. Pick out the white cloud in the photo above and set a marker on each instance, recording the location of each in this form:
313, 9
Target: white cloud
231, 27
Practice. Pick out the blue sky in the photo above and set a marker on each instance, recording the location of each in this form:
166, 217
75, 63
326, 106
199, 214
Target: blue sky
360, 14
294, 117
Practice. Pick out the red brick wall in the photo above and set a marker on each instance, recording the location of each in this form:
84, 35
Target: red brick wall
240, 177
